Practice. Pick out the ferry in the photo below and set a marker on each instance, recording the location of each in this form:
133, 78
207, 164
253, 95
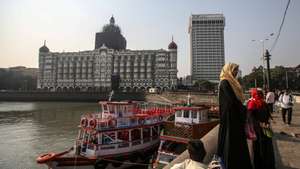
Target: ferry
188, 122
121, 135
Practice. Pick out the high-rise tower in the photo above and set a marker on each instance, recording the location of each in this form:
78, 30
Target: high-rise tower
207, 46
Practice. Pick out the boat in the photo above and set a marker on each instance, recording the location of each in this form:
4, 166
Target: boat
188, 122
121, 135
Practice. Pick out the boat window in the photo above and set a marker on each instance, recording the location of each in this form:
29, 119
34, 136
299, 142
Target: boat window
108, 138
136, 136
123, 138
104, 107
178, 114
194, 115
146, 134
125, 109
123, 135
94, 139
186, 114
155, 131
111, 109
200, 115
119, 110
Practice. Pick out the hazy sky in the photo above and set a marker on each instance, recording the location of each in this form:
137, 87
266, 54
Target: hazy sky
70, 25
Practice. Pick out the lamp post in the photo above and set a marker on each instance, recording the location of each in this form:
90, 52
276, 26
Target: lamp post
286, 80
267, 58
263, 55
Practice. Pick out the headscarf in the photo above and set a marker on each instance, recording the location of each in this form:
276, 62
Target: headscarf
256, 101
226, 74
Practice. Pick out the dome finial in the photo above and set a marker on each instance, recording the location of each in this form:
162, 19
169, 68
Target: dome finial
44, 48
172, 45
112, 20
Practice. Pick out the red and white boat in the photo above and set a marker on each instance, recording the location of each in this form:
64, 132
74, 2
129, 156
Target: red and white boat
188, 122
121, 135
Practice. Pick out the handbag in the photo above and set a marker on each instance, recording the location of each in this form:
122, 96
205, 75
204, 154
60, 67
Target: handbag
268, 132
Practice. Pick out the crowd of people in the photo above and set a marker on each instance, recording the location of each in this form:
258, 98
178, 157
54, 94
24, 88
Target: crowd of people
245, 133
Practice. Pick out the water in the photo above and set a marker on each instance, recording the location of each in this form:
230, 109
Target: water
29, 129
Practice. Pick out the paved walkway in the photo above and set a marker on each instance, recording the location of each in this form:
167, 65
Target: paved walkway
286, 145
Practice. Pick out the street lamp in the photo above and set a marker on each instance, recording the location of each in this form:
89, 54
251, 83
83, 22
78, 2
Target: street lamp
263, 50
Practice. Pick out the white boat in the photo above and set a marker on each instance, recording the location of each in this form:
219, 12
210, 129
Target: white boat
121, 135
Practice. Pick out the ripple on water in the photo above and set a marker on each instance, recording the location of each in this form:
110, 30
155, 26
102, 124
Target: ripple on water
30, 129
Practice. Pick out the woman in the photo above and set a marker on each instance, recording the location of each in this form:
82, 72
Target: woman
232, 141
262, 147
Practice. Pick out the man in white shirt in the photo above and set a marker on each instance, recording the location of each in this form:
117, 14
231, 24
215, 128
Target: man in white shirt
286, 101
270, 100
197, 154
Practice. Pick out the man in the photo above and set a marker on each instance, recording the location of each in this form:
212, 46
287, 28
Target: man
197, 153
286, 101
270, 100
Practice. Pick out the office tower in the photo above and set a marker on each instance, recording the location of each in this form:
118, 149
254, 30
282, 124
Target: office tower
207, 46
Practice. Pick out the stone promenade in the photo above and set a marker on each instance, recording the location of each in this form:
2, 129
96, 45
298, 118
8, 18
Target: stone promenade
285, 140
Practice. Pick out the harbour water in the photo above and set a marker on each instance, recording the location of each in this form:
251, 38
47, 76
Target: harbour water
29, 129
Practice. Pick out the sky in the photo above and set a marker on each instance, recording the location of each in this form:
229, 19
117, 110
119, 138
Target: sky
70, 25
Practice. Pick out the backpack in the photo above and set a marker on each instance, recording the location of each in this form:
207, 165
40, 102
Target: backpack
290, 103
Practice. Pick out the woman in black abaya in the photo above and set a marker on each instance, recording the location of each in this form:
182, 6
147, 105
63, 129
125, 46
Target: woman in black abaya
263, 146
232, 141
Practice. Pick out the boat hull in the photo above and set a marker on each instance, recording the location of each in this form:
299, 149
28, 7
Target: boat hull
121, 161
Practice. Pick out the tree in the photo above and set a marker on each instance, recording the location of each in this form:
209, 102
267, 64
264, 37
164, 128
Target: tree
16, 81
278, 78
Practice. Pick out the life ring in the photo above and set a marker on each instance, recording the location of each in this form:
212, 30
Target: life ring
93, 123
83, 122
45, 157
141, 121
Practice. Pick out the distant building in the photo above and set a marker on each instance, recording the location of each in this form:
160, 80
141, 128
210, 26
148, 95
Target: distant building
32, 72
207, 46
110, 36
293, 70
109, 63
187, 80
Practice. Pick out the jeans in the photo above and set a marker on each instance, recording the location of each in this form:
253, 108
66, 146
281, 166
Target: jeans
270, 107
289, 110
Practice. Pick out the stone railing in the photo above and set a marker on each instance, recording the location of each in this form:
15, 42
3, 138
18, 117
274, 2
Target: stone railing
210, 143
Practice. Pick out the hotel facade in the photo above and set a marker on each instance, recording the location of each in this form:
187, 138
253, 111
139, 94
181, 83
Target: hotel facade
95, 70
